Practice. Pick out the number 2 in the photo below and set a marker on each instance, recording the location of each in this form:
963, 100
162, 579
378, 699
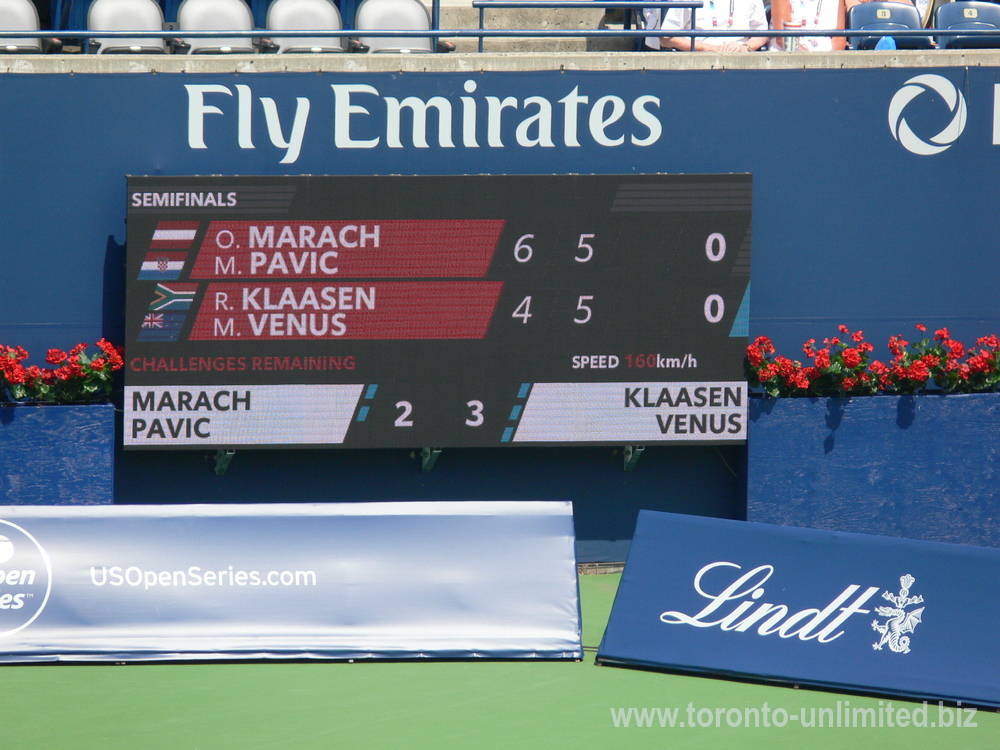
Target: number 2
403, 419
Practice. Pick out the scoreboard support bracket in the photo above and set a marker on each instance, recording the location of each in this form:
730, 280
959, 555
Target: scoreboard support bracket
632, 455
222, 460
428, 457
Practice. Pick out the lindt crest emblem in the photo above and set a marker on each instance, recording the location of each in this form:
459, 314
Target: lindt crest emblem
899, 622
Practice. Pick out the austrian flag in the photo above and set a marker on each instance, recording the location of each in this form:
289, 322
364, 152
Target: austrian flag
174, 235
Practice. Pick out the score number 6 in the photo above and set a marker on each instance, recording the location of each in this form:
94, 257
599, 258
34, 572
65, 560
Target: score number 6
523, 251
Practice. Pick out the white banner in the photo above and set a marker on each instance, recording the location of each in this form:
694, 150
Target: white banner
325, 581
634, 412
239, 415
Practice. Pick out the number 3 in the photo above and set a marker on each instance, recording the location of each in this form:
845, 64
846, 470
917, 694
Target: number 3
477, 414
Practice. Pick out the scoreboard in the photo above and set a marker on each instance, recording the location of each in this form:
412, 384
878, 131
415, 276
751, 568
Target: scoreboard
444, 311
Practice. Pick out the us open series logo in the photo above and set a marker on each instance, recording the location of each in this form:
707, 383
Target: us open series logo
25, 579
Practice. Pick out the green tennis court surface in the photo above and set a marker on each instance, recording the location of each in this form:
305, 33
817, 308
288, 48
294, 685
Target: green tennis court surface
433, 705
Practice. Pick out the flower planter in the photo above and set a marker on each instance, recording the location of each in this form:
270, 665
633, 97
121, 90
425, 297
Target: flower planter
57, 455
922, 467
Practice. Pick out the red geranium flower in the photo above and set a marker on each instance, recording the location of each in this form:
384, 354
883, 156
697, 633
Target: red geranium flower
55, 356
919, 371
767, 372
896, 345
979, 363
74, 378
785, 366
931, 360
991, 341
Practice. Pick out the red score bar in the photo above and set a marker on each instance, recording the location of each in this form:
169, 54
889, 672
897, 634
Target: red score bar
298, 311
347, 249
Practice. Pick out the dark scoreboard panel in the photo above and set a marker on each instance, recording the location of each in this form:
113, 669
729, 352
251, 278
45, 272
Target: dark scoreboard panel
436, 311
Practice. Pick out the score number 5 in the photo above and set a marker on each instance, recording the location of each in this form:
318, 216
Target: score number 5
523, 251
522, 254
523, 310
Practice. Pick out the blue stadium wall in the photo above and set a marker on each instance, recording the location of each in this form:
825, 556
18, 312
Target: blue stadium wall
875, 189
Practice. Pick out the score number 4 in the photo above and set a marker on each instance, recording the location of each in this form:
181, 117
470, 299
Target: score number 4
523, 310
522, 254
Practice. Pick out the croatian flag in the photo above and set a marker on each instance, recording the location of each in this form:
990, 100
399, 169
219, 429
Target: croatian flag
160, 266
174, 235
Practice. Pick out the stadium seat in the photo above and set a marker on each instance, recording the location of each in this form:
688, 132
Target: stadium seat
126, 15
258, 9
968, 15
215, 15
885, 16
404, 15
305, 15
19, 15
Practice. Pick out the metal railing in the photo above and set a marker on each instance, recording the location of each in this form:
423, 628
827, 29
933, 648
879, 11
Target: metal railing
627, 5
482, 33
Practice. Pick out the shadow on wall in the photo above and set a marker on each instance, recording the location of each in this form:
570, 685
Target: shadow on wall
606, 499
112, 319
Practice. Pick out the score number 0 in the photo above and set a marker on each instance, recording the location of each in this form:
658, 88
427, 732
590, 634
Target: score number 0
715, 250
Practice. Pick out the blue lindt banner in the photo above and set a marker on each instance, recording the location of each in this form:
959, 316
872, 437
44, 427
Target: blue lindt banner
841, 611
333, 581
